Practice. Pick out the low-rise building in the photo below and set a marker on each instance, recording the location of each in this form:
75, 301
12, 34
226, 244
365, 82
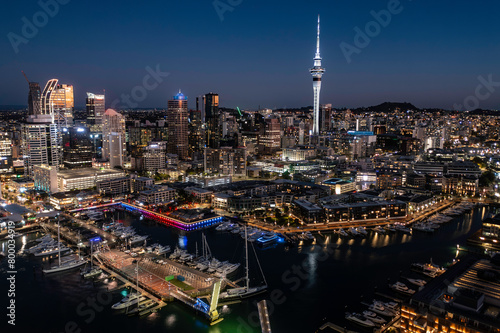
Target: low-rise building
157, 194
85, 178
340, 186
200, 194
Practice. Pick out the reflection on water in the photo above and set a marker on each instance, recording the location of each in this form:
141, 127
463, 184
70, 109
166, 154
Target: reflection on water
183, 240
334, 280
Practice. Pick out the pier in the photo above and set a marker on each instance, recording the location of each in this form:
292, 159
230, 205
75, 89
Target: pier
151, 278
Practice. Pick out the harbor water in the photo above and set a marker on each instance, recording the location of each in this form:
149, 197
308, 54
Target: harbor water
309, 284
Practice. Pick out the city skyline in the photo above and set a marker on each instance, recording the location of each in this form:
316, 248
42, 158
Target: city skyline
436, 62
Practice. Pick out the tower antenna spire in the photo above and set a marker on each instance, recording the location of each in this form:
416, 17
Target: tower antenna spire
317, 72
317, 42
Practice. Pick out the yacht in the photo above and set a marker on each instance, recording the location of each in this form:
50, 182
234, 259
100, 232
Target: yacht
141, 306
267, 238
417, 282
202, 265
50, 250
390, 228
402, 288
354, 232
136, 239
342, 233
362, 231
160, 249
93, 272
41, 246
186, 257
379, 307
360, 320
430, 270
226, 269
379, 230
174, 255
131, 299
63, 266
402, 228
373, 317
245, 291
422, 227
44, 238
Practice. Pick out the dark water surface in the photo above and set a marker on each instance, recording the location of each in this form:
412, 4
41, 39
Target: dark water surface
308, 284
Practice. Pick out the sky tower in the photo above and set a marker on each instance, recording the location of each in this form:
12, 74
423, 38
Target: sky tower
316, 72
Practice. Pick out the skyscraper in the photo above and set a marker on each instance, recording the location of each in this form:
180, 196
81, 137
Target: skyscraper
177, 119
34, 99
317, 72
77, 148
113, 137
95, 111
40, 136
212, 120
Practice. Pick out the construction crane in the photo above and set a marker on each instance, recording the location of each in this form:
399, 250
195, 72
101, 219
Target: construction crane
25, 77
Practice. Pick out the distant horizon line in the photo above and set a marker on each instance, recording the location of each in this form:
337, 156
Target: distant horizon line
21, 107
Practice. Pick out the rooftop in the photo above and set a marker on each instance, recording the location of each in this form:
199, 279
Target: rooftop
87, 172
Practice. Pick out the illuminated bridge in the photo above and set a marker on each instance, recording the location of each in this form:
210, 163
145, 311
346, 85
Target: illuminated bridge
187, 226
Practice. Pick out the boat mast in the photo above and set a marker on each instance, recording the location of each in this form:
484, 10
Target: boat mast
59, 240
246, 257
91, 254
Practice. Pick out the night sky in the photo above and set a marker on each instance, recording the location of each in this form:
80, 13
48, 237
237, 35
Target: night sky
431, 53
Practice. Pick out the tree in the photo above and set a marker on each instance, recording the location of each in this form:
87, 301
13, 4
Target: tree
286, 175
479, 161
487, 178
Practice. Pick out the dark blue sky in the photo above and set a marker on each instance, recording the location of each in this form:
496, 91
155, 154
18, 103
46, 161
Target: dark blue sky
430, 54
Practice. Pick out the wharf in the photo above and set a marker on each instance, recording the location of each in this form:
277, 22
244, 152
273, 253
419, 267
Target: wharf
357, 223
23, 230
336, 328
151, 276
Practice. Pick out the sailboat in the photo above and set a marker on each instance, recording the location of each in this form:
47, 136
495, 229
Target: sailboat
93, 271
60, 267
246, 291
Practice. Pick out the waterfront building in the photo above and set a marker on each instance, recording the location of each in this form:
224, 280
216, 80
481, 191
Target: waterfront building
85, 178
156, 195
465, 298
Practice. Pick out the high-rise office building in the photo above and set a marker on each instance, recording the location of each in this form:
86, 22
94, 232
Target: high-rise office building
77, 148
40, 135
226, 161
113, 137
212, 120
95, 111
196, 138
317, 72
326, 117
34, 99
270, 135
177, 119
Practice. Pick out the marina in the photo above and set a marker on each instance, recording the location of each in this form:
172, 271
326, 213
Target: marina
119, 266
